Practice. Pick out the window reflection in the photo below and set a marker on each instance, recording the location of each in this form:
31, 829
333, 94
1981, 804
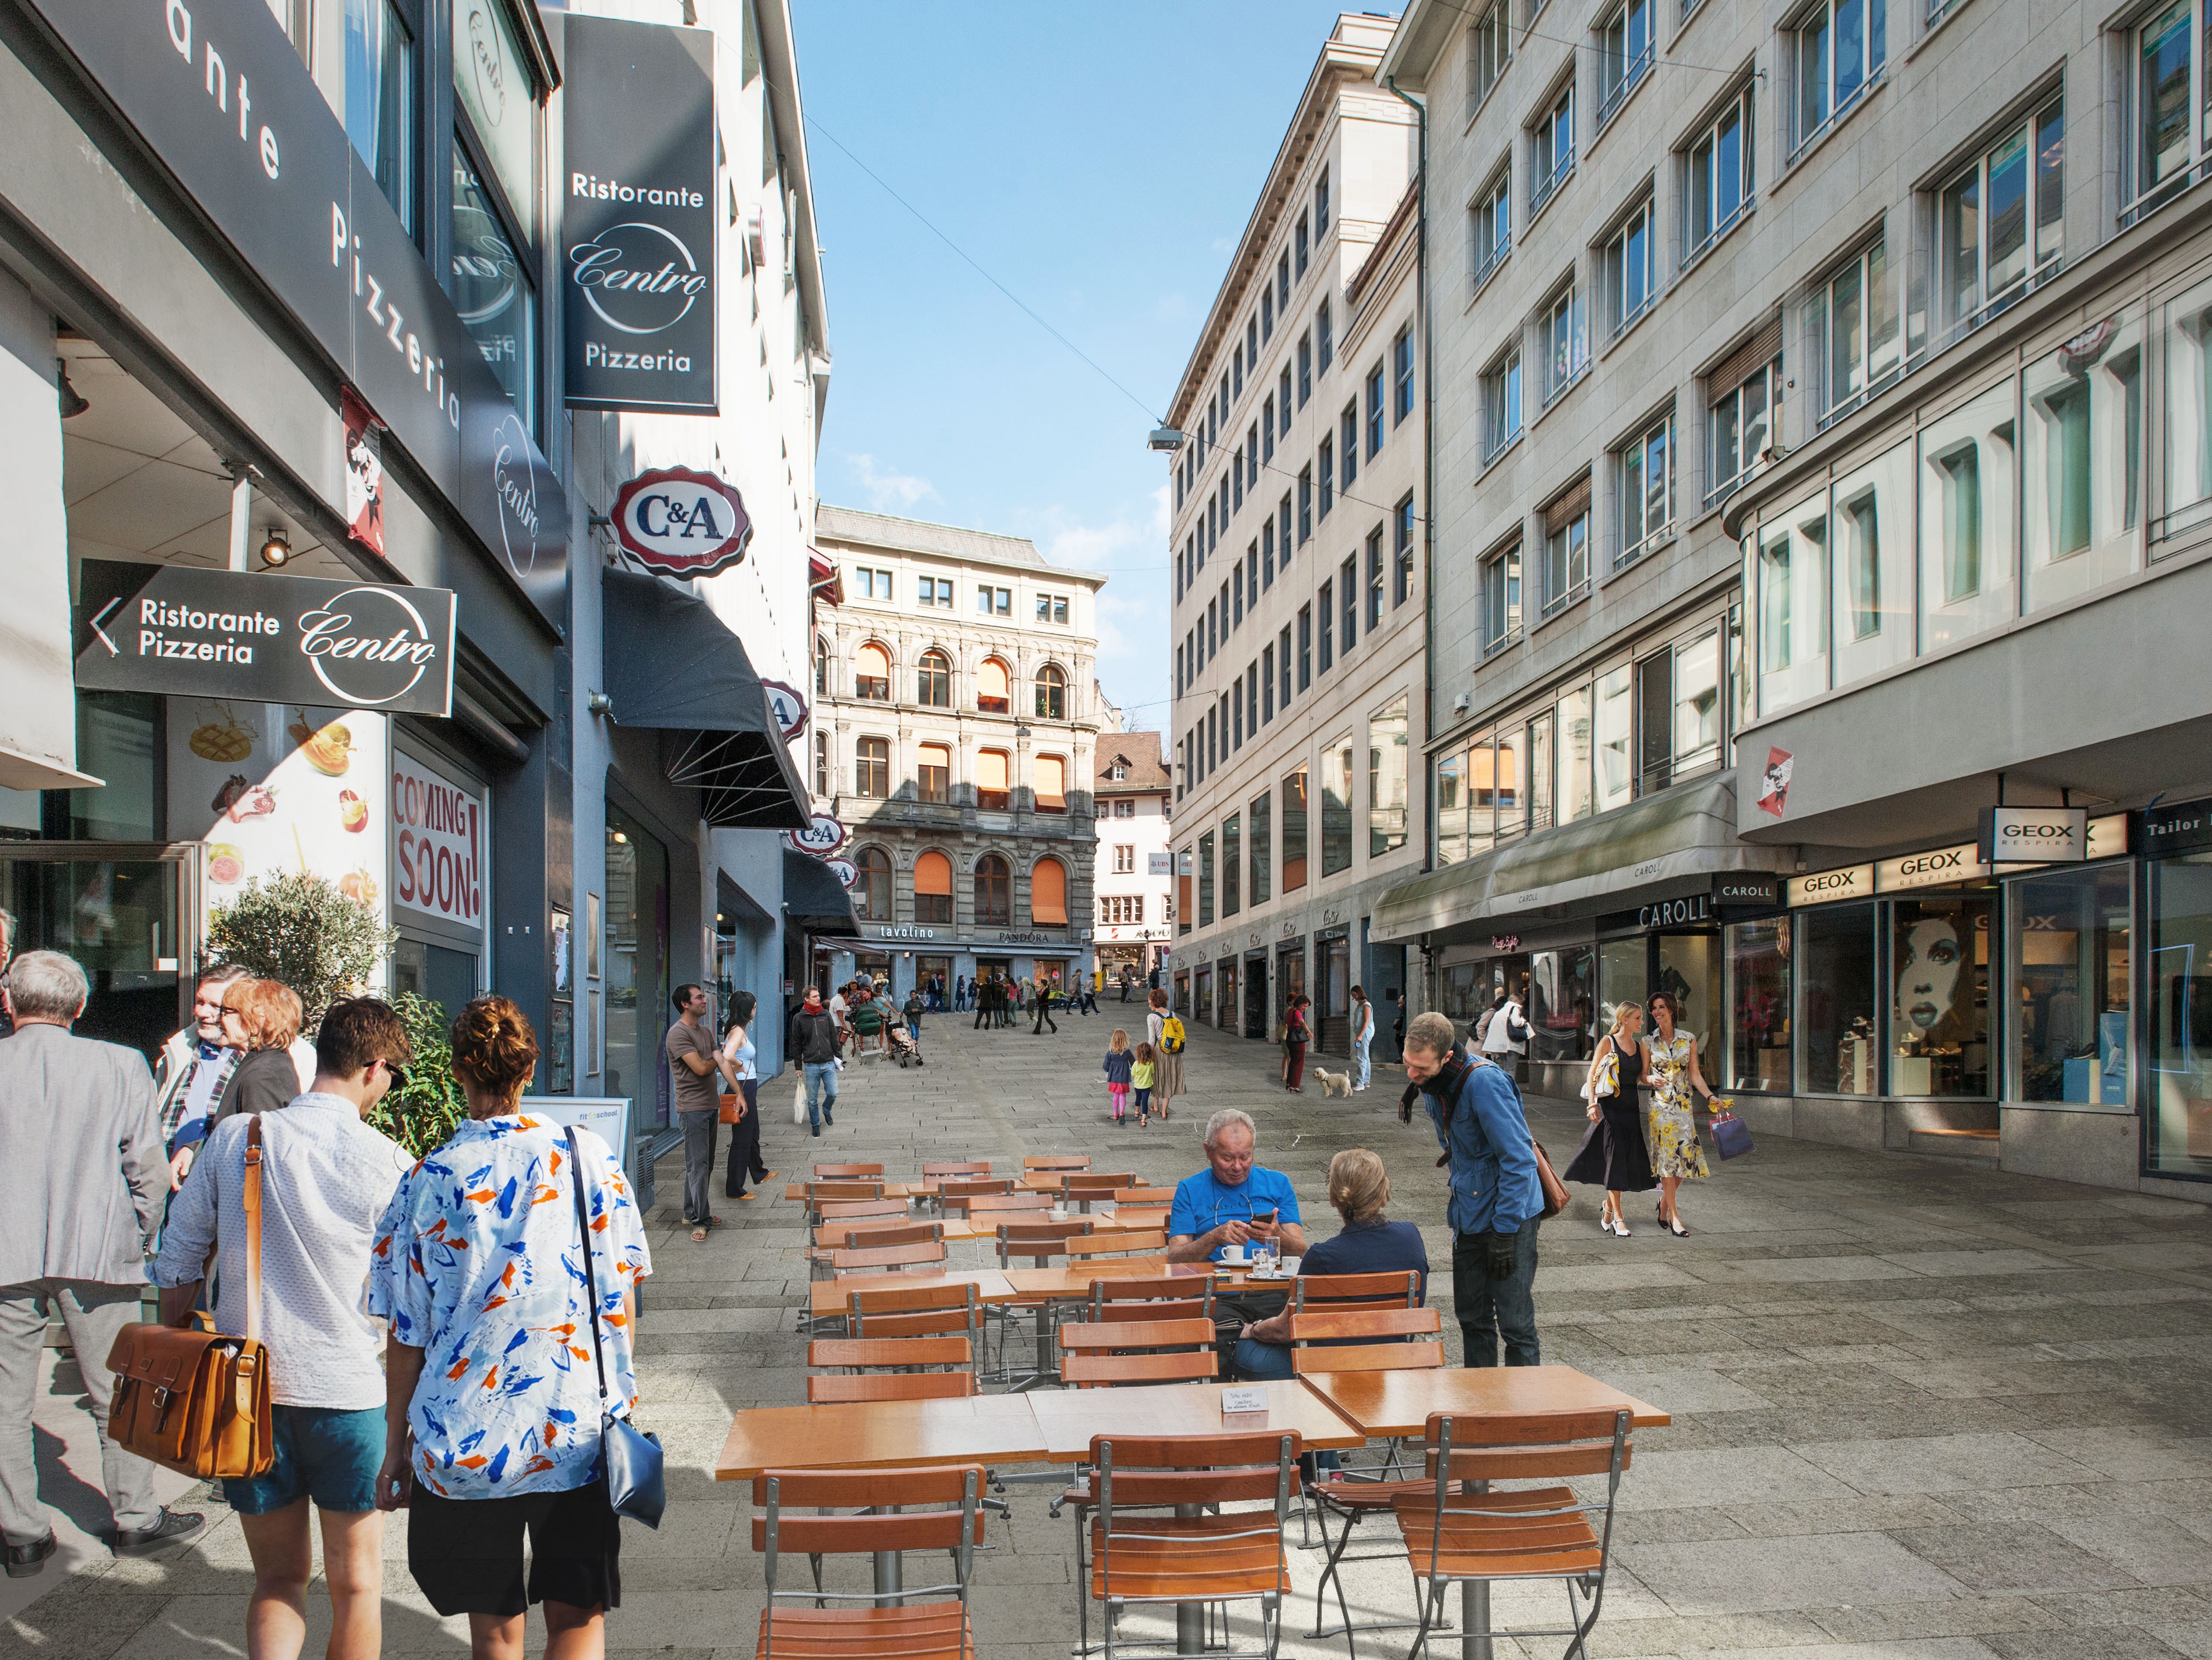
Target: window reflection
492, 291
2072, 952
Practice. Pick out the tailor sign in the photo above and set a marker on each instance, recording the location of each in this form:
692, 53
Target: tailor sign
639, 236
217, 93
189, 632
682, 523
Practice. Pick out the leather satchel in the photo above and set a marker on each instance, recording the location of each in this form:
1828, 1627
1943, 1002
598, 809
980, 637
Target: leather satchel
630, 1460
1555, 1191
188, 1398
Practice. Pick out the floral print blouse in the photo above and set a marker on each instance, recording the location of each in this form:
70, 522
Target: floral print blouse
477, 1262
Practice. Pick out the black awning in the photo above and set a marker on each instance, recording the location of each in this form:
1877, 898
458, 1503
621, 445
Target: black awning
670, 663
814, 899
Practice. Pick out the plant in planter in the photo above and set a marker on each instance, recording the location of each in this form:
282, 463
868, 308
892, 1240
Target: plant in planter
425, 1110
301, 929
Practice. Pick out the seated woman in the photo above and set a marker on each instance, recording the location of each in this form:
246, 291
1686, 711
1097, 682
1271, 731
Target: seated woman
1359, 1187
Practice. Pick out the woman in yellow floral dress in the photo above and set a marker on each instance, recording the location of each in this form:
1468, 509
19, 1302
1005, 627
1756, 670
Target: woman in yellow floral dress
1670, 1066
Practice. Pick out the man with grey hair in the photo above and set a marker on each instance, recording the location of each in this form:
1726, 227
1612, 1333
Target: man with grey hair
89, 1178
1232, 1201
1496, 1195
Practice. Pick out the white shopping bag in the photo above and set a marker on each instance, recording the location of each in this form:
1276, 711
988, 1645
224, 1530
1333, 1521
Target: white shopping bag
799, 1099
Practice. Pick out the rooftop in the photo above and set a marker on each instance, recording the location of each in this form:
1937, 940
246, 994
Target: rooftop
1143, 753
854, 526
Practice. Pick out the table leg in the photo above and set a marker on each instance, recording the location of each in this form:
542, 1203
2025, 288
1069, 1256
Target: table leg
891, 1580
1190, 1617
1045, 1370
1475, 1604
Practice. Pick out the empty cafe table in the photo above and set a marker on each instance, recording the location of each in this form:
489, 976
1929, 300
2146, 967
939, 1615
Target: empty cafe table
1069, 1418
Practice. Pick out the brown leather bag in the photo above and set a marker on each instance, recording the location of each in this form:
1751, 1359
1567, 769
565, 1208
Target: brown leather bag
187, 1397
1555, 1191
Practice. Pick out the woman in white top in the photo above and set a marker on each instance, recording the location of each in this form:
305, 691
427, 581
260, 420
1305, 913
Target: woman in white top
738, 1049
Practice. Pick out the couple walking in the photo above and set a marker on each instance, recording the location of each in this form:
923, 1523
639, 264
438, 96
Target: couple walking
1615, 1153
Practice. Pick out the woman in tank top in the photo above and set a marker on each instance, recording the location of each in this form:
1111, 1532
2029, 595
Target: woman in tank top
1612, 1154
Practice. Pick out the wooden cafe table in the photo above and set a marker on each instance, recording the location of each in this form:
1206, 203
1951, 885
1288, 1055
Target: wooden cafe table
828, 1298
1381, 1404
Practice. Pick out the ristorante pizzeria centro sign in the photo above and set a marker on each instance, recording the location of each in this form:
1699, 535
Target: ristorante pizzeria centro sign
219, 95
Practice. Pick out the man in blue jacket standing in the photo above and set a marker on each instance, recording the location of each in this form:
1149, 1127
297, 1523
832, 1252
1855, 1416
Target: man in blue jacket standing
1496, 1197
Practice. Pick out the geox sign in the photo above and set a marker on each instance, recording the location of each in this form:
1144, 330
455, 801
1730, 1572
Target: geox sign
2034, 835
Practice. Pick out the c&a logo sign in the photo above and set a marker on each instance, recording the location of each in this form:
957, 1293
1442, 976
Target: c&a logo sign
682, 523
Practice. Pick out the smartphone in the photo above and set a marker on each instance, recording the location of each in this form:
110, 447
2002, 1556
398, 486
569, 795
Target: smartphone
1264, 1218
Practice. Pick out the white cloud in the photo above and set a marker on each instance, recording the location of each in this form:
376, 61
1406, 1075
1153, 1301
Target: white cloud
890, 491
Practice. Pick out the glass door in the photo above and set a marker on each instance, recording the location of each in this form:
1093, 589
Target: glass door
637, 968
1255, 995
1231, 1009
1333, 1031
120, 912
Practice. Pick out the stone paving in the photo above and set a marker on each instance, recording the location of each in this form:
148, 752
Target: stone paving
1923, 1411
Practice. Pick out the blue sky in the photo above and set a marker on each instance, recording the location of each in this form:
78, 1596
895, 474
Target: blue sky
1100, 162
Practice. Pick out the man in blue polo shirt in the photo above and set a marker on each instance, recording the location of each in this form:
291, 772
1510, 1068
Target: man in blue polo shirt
1232, 1201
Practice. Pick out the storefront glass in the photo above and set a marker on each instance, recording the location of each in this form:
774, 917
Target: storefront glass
1690, 973
2071, 945
1624, 975
1563, 1005
1205, 880
637, 968
1228, 1003
1835, 1000
1205, 996
119, 738
437, 974
1334, 1028
119, 918
1940, 994
1463, 989
2178, 1140
1757, 960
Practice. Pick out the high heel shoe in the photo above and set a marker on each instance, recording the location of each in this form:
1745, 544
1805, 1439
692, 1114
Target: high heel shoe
1676, 1228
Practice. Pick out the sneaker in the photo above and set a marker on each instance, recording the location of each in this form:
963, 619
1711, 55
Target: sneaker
817, 1129
24, 1560
174, 1527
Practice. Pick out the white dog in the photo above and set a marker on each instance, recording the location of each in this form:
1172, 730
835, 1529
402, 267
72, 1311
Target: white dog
1333, 1082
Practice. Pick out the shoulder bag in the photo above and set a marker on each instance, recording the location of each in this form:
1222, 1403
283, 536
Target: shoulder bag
185, 1396
630, 1458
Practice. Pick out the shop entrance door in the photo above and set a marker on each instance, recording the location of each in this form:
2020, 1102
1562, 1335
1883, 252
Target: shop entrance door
1255, 995
637, 968
120, 912
1688, 969
1290, 977
1231, 1009
930, 970
1334, 1029
1205, 983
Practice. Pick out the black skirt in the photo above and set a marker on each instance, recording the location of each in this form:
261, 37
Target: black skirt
1613, 1155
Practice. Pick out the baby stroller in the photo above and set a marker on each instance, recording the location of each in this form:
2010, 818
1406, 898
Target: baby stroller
906, 1048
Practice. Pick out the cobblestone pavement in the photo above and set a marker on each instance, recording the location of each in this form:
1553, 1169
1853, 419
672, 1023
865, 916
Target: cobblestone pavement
1922, 1411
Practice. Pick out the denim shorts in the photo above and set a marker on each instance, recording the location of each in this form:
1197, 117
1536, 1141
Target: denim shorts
328, 1454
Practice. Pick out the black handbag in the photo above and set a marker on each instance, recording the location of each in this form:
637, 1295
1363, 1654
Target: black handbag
629, 1458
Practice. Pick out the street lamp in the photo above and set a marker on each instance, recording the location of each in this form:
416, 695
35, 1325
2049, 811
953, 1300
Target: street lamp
1164, 439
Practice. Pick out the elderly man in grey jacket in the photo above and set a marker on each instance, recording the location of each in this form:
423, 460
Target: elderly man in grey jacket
88, 1180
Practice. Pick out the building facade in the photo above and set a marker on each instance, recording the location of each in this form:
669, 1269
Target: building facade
1826, 389
1133, 792
1299, 593
952, 723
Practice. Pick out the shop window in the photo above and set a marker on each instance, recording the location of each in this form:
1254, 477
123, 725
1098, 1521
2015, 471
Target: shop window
933, 772
2081, 451
1449, 790
383, 111
1051, 771
1690, 973
1790, 566
1051, 693
1966, 521
1386, 780
991, 792
992, 684
1205, 880
1758, 992
497, 96
2070, 939
492, 285
871, 673
2178, 1139
871, 889
1262, 817
1624, 976
1835, 1000
1562, 1009
932, 888
1048, 894
994, 893
1575, 798
1872, 521
1336, 807
872, 769
119, 738
1232, 860
1295, 828
1539, 773
933, 680
2002, 220
1940, 995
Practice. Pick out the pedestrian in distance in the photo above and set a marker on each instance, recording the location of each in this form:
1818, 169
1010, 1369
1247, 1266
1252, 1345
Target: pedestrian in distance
1142, 1072
190, 1076
959, 993
1040, 1005
1363, 1037
1505, 1039
983, 997
326, 1178
841, 1007
1125, 985
814, 1040
492, 1405
1670, 1057
1297, 1032
914, 1007
1164, 1030
1398, 1024
696, 1072
740, 1055
1119, 1066
1497, 1197
87, 1183
261, 1019
865, 1020
1613, 1155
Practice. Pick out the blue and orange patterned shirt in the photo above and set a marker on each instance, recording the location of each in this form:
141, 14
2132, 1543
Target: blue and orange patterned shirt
478, 1263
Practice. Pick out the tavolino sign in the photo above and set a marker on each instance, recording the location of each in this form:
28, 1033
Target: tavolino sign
195, 633
682, 523
639, 231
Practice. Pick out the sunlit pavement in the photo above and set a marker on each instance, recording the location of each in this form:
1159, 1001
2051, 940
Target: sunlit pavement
1923, 1410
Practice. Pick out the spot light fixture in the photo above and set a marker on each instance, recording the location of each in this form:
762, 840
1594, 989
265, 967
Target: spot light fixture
275, 548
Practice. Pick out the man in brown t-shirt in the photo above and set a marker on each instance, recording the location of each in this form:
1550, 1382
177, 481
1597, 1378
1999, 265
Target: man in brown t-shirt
697, 1069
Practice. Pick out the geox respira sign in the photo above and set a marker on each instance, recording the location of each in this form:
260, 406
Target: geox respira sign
639, 227
682, 523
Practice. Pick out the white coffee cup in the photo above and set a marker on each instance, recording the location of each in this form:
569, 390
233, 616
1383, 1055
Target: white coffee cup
1234, 1254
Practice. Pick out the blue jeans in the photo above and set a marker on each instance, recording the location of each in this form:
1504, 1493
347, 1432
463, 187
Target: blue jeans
821, 1091
1258, 1360
1489, 1309
1361, 1071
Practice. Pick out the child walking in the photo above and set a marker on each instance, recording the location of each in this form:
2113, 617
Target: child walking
1140, 1080
1117, 1069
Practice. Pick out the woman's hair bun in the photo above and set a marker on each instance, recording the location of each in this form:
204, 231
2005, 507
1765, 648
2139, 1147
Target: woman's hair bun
494, 1046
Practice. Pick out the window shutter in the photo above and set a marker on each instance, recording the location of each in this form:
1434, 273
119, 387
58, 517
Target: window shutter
1051, 782
991, 770
1566, 509
933, 874
1049, 893
1747, 359
991, 679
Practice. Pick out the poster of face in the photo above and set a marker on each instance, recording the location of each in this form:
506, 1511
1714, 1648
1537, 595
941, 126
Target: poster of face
265, 787
1940, 952
364, 459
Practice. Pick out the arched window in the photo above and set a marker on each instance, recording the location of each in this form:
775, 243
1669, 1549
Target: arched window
1048, 894
933, 680
934, 766
872, 769
993, 891
994, 687
1051, 784
991, 788
871, 890
871, 673
1051, 693
933, 889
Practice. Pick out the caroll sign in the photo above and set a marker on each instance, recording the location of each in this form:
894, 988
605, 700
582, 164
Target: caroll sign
682, 523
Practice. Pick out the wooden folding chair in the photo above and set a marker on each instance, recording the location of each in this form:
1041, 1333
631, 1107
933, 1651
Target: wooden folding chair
821, 1192
1035, 1206
862, 1209
1092, 1353
844, 1234
957, 1167
1082, 1190
909, 1509
1185, 1297
874, 1258
1115, 1243
1357, 1291
1474, 1536
892, 1368
846, 1172
1143, 1532
954, 1196
923, 1311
